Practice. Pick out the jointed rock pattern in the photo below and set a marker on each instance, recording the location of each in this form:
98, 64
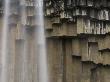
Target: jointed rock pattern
78, 37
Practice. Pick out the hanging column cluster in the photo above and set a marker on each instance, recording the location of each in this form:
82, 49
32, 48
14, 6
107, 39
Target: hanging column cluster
93, 16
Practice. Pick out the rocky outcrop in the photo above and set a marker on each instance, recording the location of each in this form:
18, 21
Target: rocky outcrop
81, 28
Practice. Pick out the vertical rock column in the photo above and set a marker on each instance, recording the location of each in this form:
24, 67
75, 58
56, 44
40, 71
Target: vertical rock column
22, 66
7, 52
1, 23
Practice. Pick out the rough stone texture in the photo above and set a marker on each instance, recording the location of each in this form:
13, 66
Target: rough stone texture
83, 34
77, 45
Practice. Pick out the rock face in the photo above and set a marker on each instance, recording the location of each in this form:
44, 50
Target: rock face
78, 36
21, 58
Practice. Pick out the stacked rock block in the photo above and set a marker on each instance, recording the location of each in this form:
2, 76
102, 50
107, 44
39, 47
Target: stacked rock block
78, 38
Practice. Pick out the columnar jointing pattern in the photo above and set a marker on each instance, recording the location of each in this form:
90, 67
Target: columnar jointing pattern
22, 61
78, 38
